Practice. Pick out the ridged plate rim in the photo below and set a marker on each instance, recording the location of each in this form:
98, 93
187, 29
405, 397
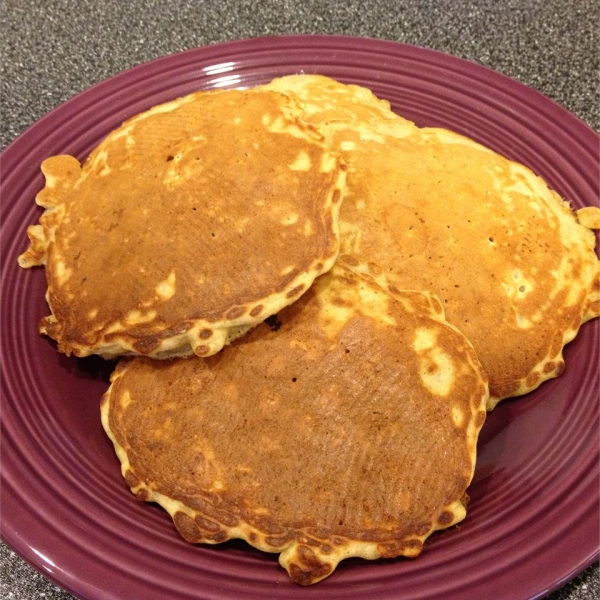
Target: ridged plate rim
94, 540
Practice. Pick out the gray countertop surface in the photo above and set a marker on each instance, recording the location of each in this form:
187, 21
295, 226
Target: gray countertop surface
52, 49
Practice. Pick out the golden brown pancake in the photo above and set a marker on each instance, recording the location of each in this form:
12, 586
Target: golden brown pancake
186, 226
326, 101
512, 263
346, 428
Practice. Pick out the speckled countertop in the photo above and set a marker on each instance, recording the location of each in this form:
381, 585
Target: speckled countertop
52, 49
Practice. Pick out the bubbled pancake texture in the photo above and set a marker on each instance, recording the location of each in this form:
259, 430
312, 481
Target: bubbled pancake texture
514, 268
186, 226
348, 428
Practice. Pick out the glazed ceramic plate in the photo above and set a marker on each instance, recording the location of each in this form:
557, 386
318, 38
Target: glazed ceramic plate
533, 516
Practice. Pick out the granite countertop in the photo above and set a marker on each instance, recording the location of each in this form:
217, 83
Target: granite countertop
53, 49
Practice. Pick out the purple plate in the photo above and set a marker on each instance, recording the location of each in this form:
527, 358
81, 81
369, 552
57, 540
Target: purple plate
533, 519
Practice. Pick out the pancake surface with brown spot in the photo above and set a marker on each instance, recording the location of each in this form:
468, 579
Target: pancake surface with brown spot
514, 267
349, 428
191, 223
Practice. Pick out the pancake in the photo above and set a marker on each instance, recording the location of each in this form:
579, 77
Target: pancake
514, 266
347, 426
326, 101
189, 224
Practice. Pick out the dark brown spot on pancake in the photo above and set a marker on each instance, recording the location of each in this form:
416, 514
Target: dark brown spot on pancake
146, 345
131, 479
206, 524
219, 537
423, 528
413, 547
142, 495
226, 518
235, 312
335, 198
187, 528
295, 291
309, 569
503, 390
202, 350
256, 310
445, 518
173, 331
206, 333
532, 379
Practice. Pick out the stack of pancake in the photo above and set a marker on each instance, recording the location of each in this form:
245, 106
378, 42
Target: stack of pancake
317, 302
